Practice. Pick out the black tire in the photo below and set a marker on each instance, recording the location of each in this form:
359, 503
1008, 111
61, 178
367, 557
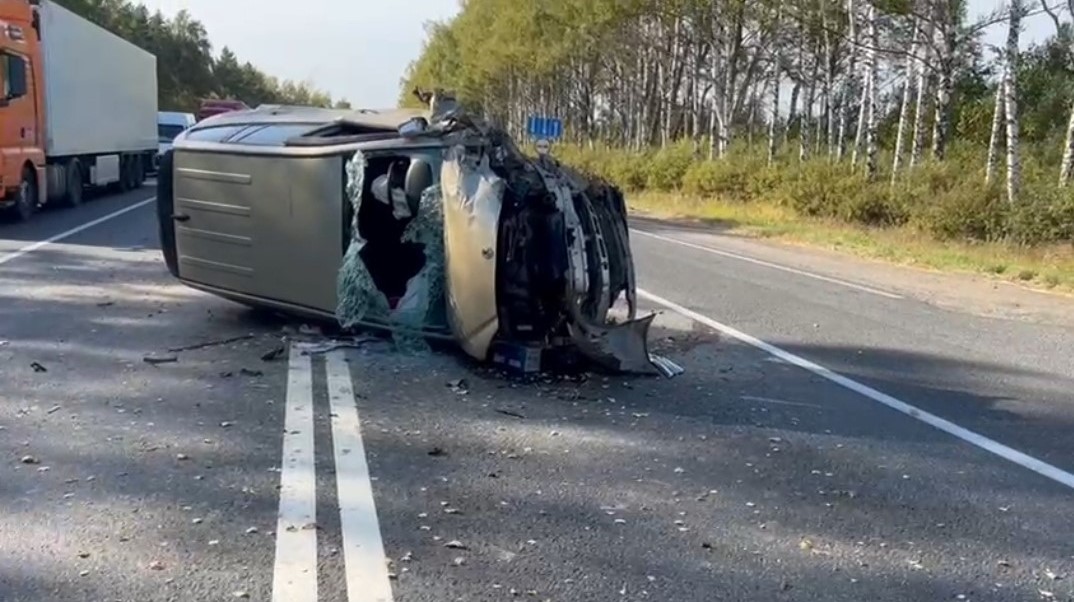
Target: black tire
74, 195
165, 210
26, 202
137, 171
126, 176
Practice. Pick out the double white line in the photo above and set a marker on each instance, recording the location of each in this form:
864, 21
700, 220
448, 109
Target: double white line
295, 573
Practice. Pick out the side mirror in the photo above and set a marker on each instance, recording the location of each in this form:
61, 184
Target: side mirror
419, 176
15, 76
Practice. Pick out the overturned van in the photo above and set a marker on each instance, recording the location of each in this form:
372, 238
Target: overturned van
431, 224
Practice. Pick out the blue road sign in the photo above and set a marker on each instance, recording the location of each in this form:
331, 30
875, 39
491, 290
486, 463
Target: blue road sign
549, 128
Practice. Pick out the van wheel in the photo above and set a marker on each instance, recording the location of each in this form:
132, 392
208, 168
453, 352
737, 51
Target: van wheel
26, 202
73, 198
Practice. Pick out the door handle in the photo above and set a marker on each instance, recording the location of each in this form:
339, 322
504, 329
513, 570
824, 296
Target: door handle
180, 217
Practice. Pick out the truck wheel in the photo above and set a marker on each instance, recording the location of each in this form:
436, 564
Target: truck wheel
125, 173
73, 198
137, 171
26, 203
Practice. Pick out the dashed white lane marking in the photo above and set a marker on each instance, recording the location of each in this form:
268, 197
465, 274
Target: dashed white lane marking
768, 264
1042, 468
363, 550
294, 577
62, 235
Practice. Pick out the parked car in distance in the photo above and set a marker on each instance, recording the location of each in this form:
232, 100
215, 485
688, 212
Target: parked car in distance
169, 125
213, 106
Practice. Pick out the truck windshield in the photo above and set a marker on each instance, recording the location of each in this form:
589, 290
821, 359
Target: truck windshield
168, 132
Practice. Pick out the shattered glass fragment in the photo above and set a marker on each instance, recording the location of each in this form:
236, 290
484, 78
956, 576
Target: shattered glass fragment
359, 299
423, 304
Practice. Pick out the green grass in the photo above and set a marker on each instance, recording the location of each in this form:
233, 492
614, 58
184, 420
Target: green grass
1044, 266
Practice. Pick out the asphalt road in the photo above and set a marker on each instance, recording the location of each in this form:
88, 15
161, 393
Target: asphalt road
762, 473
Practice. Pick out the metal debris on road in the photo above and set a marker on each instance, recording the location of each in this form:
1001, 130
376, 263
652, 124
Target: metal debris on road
218, 343
158, 360
273, 354
337, 343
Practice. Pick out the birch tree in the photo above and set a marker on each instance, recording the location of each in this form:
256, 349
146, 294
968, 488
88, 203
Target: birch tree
1010, 101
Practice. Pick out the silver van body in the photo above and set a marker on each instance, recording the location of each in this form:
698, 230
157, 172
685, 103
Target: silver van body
274, 207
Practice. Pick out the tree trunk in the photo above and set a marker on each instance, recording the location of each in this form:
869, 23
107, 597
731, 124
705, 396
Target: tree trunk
942, 124
920, 104
1067, 166
997, 128
1010, 102
773, 125
848, 80
904, 108
870, 124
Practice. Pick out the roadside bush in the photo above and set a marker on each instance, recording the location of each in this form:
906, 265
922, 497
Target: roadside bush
1045, 215
947, 200
669, 165
728, 179
971, 211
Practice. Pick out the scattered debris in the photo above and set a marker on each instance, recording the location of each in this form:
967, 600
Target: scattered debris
158, 360
182, 457
274, 354
37, 367
437, 452
227, 424
197, 346
1052, 575
1045, 594
456, 545
338, 343
459, 386
459, 561
83, 573
54, 409
29, 460
511, 414
251, 530
251, 373
156, 565
106, 304
240, 594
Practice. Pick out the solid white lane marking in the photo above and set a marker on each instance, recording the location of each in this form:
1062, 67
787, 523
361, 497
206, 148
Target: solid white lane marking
363, 550
768, 264
62, 235
1047, 470
294, 577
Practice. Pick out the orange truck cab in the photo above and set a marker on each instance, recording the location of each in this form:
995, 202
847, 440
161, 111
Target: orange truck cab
78, 108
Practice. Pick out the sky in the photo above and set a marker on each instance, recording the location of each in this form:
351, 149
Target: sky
359, 49
356, 49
